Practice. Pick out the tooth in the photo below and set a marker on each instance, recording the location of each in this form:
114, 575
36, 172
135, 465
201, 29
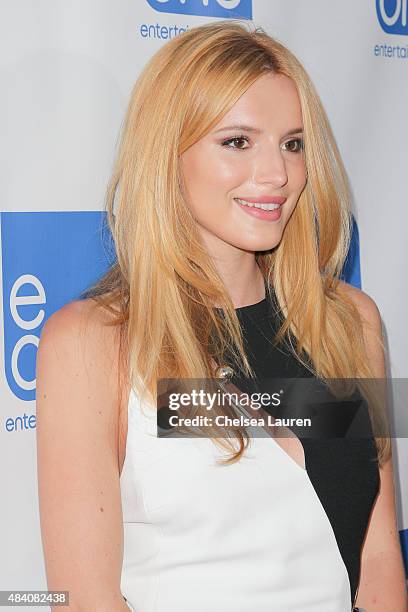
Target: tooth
268, 207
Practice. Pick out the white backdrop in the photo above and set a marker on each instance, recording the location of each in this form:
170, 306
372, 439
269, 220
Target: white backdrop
67, 69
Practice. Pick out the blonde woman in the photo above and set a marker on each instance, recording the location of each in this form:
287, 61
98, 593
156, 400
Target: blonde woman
229, 208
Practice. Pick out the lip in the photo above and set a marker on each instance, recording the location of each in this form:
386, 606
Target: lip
265, 200
261, 214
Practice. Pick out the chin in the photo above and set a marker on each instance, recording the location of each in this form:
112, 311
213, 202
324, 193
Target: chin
258, 245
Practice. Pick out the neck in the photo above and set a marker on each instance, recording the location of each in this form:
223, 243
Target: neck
245, 286
237, 269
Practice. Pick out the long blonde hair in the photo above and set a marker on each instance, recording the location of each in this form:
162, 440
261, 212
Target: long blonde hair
163, 286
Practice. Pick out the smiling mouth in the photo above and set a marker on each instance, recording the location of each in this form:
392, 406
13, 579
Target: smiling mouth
258, 205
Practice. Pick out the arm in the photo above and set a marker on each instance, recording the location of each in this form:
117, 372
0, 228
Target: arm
382, 580
77, 459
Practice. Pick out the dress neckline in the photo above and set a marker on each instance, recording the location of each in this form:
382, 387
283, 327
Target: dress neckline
259, 308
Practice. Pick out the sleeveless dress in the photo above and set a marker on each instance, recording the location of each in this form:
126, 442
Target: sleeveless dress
259, 535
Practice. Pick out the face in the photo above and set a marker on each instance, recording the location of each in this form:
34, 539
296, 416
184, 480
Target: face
257, 164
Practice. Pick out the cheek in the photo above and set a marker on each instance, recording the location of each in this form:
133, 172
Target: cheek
209, 180
216, 173
298, 176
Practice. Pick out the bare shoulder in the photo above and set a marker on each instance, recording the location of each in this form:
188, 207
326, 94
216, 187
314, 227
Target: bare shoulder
372, 326
365, 304
82, 326
81, 320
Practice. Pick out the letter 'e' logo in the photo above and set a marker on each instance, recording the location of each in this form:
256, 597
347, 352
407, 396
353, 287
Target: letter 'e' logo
392, 15
48, 259
234, 9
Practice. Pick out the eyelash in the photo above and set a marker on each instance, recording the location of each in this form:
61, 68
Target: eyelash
242, 137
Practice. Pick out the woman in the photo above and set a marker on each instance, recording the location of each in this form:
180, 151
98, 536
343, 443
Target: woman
230, 197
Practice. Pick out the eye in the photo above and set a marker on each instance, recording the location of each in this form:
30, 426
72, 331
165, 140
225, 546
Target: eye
298, 145
226, 143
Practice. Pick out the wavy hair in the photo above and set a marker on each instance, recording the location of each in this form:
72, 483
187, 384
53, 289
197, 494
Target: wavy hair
163, 284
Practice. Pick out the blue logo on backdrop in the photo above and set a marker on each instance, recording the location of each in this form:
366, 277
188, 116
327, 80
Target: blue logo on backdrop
393, 16
208, 8
48, 258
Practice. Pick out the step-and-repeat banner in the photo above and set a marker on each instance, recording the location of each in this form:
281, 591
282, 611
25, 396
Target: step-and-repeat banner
67, 69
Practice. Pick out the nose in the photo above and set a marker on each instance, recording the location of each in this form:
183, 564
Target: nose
270, 167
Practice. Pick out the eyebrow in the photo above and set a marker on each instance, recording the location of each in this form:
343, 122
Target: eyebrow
248, 128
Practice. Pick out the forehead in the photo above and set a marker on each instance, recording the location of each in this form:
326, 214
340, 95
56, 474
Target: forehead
271, 101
